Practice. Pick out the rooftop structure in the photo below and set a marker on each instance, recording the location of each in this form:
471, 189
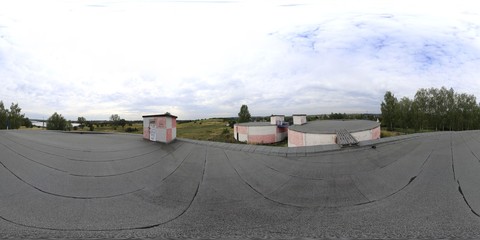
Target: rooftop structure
323, 132
299, 119
160, 127
262, 132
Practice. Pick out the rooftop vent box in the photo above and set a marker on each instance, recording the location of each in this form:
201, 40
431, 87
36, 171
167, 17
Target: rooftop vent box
299, 119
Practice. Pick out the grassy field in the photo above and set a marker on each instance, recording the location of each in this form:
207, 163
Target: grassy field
400, 131
385, 133
108, 128
33, 128
210, 130
135, 128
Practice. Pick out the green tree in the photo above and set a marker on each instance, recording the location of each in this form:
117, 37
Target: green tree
90, 126
122, 122
27, 123
421, 109
450, 109
466, 111
437, 109
389, 110
244, 114
57, 122
226, 135
405, 113
3, 116
82, 121
115, 119
338, 116
231, 123
15, 117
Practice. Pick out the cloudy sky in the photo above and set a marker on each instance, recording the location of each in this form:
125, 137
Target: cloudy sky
202, 59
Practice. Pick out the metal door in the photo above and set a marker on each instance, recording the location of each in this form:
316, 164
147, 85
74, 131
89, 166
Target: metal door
153, 132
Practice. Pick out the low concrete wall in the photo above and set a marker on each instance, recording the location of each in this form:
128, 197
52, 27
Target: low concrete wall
366, 135
320, 139
300, 139
259, 134
296, 139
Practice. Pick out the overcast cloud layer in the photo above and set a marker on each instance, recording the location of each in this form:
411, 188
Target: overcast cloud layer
202, 59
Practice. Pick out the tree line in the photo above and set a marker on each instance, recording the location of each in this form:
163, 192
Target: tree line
432, 109
244, 116
58, 122
12, 118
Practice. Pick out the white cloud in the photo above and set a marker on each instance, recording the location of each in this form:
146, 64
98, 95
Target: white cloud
199, 59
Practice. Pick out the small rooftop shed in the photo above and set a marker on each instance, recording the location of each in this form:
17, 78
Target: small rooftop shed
160, 127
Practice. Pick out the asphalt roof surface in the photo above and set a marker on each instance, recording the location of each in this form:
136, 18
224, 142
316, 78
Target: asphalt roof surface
329, 126
59, 185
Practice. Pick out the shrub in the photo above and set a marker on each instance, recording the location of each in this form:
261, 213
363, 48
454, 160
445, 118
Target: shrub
57, 122
129, 129
225, 131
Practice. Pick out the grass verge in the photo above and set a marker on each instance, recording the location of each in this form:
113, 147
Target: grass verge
216, 130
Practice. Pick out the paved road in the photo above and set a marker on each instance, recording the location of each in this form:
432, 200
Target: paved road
56, 184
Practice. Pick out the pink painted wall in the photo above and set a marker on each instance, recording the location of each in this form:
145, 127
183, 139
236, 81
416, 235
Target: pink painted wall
261, 138
146, 133
376, 133
161, 122
169, 135
295, 139
242, 130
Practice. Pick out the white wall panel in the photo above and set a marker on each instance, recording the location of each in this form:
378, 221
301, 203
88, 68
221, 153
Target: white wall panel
319, 139
363, 135
262, 130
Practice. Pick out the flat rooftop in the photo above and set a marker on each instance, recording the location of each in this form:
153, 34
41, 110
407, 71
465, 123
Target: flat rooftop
60, 185
329, 126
